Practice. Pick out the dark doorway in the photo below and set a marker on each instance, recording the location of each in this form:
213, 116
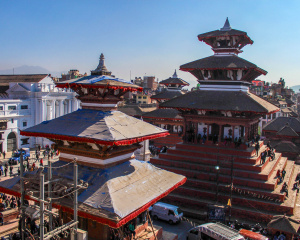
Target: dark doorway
214, 129
11, 142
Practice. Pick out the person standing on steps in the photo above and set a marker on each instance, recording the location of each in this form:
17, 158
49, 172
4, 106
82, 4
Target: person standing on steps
257, 148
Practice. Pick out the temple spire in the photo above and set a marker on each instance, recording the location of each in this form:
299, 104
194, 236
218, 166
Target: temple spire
226, 26
101, 69
175, 75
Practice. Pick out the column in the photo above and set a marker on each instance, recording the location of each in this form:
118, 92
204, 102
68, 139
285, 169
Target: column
61, 107
220, 133
232, 136
53, 109
184, 131
69, 106
43, 113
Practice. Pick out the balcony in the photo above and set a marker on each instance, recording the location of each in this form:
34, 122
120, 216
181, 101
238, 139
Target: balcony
12, 113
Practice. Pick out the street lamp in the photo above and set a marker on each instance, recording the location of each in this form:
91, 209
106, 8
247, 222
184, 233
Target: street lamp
217, 192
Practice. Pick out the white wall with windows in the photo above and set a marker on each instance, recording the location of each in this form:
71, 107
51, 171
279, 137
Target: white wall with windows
29, 104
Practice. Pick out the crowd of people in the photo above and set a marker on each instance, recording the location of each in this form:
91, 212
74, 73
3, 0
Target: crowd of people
38, 161
7, 202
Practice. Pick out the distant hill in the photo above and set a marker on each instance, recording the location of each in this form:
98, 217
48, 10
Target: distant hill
296, 88
25, 70
30, 70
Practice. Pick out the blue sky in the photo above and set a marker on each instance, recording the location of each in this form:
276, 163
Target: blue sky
151, 37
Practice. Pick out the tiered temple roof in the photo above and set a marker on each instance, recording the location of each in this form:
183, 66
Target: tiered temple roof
221, 101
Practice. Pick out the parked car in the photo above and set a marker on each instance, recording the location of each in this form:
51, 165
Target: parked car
15, 159
166, 212
216, 231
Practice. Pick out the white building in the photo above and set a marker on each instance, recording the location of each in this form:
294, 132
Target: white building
27, 100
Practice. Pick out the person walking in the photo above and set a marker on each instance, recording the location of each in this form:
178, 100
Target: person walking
11, 170
5, 170
4, 153
41, 162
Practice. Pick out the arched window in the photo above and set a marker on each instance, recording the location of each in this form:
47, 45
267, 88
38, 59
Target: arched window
11, 142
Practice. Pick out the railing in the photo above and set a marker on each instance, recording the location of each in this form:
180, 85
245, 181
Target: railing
14, 112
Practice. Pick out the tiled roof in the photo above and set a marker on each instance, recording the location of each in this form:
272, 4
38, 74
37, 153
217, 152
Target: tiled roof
22, 78
285, 224
278, 123
163, 113
287, 131
175, 81
286, 146
98, 80
131, 111
92, 125
218, 33
221, 100
113, 194
221, 62
167, 95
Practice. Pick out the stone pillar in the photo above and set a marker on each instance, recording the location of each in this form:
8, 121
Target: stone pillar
61, 107
184, 131
143, 154
69, 106
43, 113
220, 133
53, 109
247, 133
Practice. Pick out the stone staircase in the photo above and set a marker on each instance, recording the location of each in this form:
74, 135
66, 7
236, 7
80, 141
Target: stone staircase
169, 141
256, 194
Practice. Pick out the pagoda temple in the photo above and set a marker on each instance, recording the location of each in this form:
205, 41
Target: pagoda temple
102, 140
219, 121
168, 119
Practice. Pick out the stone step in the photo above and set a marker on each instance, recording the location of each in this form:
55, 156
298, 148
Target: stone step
222, 162
215, 154
201, 207
290, 177
208, 147
210, 185
238, 198
289, 168
250, 211
223, 178
224, 170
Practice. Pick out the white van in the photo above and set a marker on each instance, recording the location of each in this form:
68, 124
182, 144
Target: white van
216, 231
166, 212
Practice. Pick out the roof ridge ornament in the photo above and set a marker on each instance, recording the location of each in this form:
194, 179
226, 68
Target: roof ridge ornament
226, 26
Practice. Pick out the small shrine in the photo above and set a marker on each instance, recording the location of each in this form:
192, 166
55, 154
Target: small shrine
168, 119
102, 141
